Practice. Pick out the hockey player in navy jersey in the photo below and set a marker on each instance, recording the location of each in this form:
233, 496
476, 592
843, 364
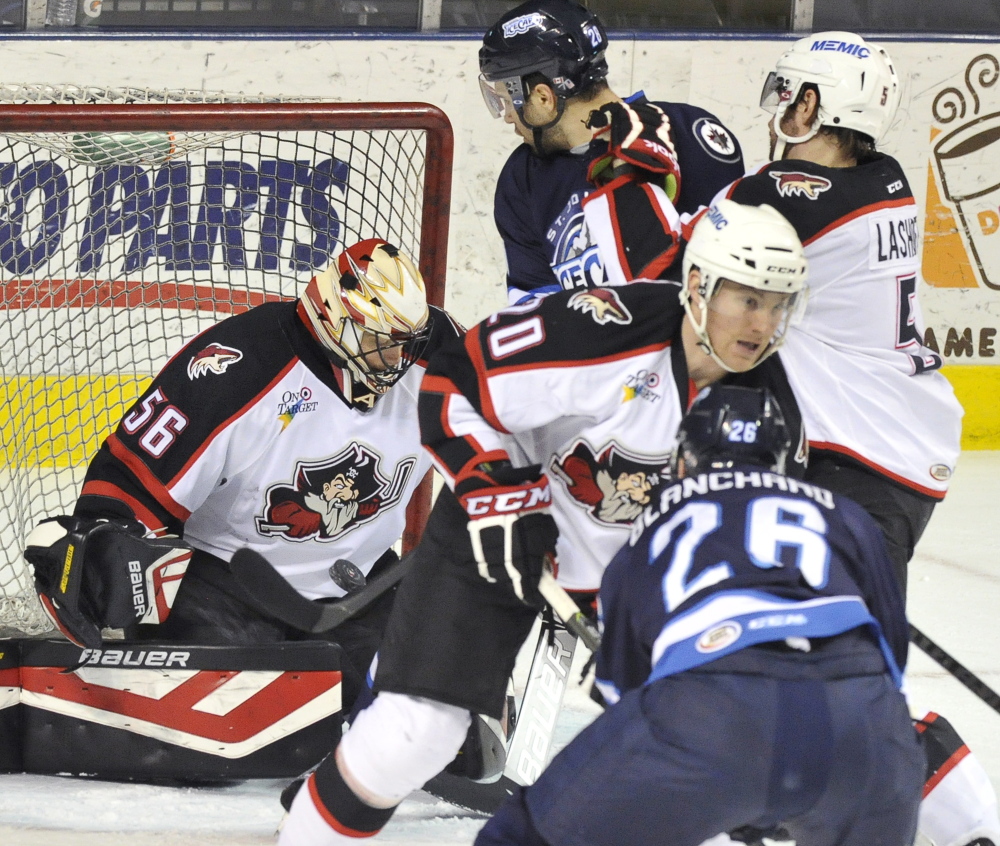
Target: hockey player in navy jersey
290, 429
543, 70
549, 422
753, 643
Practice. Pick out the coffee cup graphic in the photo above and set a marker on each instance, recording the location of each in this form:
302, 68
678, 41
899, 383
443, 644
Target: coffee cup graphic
968, 161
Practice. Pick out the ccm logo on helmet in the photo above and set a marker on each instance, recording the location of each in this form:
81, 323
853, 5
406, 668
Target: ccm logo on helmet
858, 50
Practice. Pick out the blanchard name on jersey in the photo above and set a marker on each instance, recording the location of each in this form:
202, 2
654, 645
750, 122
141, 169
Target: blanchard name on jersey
724, 480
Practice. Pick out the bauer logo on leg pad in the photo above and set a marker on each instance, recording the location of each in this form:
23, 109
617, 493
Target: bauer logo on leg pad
159, 710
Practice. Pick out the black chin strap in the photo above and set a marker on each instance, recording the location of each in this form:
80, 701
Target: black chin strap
536, 131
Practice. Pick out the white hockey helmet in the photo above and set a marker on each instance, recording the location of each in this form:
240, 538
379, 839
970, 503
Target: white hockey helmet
753, 246
372, 290
858, 85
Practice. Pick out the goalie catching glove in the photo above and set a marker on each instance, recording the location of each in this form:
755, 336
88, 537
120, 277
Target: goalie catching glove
512, 532
638, 137
94, 574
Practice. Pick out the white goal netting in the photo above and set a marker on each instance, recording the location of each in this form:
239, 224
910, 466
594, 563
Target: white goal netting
132, 219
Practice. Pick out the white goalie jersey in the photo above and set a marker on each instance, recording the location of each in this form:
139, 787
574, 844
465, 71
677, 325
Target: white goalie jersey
245, 439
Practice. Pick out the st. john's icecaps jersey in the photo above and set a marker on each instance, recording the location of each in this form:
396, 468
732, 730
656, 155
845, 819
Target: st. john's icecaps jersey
538, 211
592, 386
245, 439
733, 558
868, 387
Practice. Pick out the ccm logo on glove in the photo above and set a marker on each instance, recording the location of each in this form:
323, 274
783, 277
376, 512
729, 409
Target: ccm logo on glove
499, 501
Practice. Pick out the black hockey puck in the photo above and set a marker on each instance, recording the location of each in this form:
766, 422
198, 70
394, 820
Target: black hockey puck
347, 575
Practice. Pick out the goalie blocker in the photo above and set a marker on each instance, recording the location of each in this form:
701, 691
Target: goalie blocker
169, 712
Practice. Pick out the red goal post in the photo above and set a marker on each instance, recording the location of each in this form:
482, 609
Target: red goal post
130, 220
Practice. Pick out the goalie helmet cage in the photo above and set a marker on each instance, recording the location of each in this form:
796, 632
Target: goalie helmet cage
130, 220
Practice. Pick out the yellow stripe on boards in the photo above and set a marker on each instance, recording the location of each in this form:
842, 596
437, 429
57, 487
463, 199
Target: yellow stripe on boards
60, 421
977, 387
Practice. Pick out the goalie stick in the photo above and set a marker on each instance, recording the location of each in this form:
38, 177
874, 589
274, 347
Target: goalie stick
271, 594
958, 670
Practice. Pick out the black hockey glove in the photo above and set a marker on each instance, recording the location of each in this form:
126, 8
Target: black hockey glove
512, 532
638, 138
94, 574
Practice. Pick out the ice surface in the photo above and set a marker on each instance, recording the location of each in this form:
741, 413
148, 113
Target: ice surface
954, 595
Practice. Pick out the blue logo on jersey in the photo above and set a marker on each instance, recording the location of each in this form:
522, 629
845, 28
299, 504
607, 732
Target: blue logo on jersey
582, 271
575, 261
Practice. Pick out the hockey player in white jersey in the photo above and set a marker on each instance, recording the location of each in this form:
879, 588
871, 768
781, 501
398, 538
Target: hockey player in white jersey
883, 423
290, 429
543, 413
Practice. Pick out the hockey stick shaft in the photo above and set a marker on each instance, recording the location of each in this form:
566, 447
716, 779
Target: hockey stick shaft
269, 592
569, 612
958, 670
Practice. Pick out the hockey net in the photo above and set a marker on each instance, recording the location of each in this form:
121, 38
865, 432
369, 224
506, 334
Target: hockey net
132, 219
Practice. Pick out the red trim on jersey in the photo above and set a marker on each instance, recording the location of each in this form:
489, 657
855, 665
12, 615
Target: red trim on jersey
847, 218
655, 268
471, 467
606, 191
659, 346
944, 769
152, 484
921, 724
437, 385
688, 228
140, 511
692, 393
11, 677
842, 450
230, 420
329, 818
474, 349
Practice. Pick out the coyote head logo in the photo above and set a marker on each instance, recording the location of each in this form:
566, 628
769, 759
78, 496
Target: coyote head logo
215, 358
603, 304
790, 183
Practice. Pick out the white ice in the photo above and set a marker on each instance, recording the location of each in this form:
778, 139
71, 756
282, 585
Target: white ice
954, 597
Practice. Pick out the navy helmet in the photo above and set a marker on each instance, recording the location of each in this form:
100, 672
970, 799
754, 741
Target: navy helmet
559, 39
729, 425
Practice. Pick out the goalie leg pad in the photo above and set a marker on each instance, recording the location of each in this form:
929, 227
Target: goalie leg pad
959, 806
176, 713
10, 708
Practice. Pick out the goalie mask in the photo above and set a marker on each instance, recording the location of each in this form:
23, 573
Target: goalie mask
754, 246
369, 310
558, 39
729, 425
857, 84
